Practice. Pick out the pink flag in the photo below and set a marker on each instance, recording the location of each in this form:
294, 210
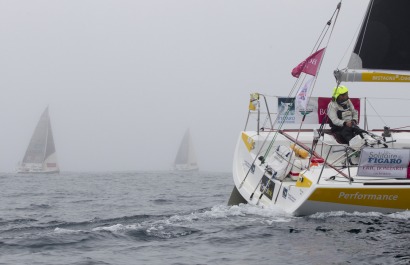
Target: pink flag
310, 65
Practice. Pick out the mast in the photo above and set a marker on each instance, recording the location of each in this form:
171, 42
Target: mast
45, 146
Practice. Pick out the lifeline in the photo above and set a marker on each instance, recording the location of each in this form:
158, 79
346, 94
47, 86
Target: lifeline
376, 197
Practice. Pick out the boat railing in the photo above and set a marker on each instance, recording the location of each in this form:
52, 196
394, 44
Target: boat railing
256, 102
343, 159
315, 154
270, 114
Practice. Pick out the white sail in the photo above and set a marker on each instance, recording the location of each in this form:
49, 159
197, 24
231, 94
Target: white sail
186, 158
40, 156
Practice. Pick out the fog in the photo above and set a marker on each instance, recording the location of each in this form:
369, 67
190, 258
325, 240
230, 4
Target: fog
124, 79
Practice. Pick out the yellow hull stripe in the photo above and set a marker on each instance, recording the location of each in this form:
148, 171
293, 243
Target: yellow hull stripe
249, 142
397, 198
383, 77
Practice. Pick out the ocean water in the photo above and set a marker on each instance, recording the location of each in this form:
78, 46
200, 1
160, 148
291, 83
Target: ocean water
178, 218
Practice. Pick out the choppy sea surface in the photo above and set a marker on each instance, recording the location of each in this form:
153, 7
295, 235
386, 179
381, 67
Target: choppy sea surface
178, 218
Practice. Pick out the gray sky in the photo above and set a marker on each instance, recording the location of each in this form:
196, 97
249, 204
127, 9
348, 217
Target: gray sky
125, 79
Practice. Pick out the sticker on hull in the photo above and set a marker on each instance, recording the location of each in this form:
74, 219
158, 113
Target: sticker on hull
397, 198
267, 187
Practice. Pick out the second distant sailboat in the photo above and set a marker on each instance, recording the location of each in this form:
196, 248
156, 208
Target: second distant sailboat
40, 156
186, 158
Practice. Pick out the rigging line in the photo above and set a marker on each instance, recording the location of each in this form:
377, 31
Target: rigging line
265, 122
311, 90
406, 99
269, 96
254, 160
400, 128
277, 132
328, 27
353, 38
45, 147
335, 15
365, 26
318, 43
268, 113
313, 152
388, 116
304, 116
389, 98
298, 80
284, 116
331, 32
274, 137
259, 151
378, 115
334, 23
325, 29
277, 116
348, 47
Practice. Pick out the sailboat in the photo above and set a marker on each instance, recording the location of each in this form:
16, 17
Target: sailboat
186, 157
40, 156
305, 169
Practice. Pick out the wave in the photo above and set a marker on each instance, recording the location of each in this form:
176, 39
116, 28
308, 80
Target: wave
17, 221
34, 206
216, 224
399, 215
51, 225
185, 224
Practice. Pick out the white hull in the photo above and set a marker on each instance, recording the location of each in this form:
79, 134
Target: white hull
319, 188
185, 167
28, 171
43, 168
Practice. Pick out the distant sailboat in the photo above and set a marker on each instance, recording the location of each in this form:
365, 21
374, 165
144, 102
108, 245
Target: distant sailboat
40, 156
186, 158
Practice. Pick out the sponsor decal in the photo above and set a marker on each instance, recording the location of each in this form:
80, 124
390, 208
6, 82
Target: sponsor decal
286, 110
267, 187
382, 162
285, 192
394, 198
291, 198
248, 141
323, 103
314, 110
384, 77
361, 196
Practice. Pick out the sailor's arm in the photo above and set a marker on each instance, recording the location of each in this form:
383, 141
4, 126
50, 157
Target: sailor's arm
332, 113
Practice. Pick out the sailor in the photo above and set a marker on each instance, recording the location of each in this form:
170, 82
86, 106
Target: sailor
342, 115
